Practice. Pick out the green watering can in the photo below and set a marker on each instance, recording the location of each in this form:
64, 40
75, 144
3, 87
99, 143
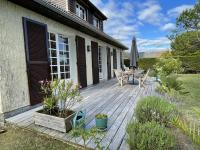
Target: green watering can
79, 120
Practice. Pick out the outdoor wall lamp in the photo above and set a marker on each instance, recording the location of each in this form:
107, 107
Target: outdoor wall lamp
88, 48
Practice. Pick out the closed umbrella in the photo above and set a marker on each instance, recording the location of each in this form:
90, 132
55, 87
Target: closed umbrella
134, 53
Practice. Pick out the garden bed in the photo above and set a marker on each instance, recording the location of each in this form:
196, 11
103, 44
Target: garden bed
54, 121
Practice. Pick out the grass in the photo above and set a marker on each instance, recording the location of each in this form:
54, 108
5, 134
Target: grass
21, 139
191, 83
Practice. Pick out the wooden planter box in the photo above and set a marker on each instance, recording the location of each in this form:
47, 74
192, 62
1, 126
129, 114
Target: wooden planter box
53, 122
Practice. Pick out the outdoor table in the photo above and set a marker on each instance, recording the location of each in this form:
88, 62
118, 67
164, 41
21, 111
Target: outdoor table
130, 73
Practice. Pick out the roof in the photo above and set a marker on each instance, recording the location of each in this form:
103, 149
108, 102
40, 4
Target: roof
91, 5
54, 12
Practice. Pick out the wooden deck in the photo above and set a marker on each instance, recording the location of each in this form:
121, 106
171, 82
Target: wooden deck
109, 98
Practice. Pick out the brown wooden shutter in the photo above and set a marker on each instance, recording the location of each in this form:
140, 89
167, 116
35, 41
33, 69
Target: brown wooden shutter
81, 61
95, 63
114, 60
72, 6
108, 63
38, 69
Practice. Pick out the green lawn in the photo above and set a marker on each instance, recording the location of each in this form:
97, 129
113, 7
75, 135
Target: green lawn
21, 139
191, 83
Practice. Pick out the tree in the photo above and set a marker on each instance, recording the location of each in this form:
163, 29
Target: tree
185, 40
185, 44
189, 19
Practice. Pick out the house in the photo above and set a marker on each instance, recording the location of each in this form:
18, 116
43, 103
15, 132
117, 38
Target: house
50, 39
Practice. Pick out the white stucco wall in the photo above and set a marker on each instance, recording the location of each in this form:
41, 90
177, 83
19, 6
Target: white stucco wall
14, 91
89, 63
118, 59
104, 62
1, 111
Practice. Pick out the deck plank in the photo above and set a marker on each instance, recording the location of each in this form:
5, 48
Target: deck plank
113, 113
107, 97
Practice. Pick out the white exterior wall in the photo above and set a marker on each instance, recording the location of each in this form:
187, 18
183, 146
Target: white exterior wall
111, 51
104, 63
118, 59
14, 92
89, 63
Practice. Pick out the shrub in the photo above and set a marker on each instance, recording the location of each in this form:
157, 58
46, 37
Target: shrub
171, 85
155, 109
59, 95
127, 62
190, 63
160, 89
147, 63
149, 136
167, 66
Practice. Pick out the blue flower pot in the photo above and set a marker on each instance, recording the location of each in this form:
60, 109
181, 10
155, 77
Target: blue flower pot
101, 123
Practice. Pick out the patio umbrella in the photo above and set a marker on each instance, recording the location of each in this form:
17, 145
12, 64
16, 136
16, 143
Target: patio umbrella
134, 53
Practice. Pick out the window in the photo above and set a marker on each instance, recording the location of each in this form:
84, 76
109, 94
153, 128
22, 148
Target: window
96, 22
80, 11
59, 56
100, 63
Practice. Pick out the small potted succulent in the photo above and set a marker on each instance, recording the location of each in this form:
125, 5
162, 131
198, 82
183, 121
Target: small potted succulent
101, 121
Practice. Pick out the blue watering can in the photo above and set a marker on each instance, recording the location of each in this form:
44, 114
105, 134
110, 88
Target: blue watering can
79, 120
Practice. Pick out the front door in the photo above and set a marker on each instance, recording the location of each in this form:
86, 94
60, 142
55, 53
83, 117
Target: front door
95, 63
108, 63
38, 68
81, 61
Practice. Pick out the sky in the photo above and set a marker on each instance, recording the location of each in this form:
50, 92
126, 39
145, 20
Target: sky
150, 21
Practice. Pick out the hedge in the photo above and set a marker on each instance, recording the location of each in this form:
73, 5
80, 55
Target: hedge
190, 63
147, 63
127, 62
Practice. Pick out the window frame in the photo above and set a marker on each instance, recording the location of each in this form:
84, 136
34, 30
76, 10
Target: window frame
58, 50
97, 22
78, 11
100, 62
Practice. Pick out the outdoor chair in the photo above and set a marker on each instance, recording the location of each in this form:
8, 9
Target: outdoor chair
126, 68
122, 78
143, 79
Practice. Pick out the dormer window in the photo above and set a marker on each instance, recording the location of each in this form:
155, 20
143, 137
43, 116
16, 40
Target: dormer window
96, 22
80, 11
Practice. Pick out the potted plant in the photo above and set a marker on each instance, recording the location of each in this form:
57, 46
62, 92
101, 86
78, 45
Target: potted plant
59, 98
101, 121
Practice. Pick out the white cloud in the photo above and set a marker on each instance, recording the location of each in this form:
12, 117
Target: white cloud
122, 23
175, 12
97, 2
168, 27
158, 44
150, 12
